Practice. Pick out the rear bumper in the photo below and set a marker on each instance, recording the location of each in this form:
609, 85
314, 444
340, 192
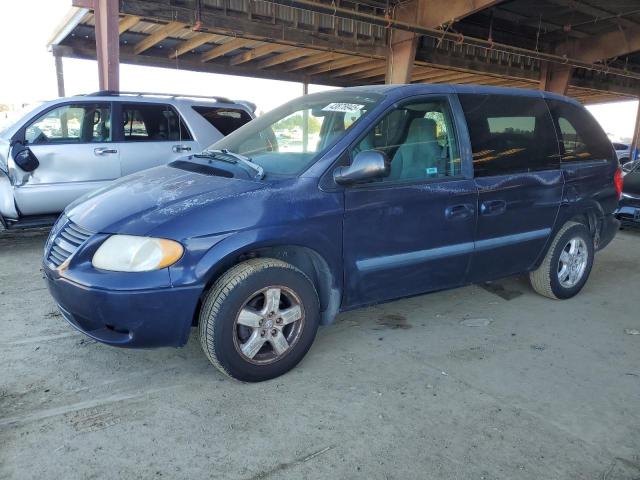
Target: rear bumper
137, 319
610, 226
629, 210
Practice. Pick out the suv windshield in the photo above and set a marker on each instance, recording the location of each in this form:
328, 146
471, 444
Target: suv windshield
290, 138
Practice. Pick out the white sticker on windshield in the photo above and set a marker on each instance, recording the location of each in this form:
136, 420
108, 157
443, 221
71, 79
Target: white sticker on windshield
343, 107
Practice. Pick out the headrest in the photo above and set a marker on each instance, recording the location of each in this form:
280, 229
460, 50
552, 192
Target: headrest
422, 130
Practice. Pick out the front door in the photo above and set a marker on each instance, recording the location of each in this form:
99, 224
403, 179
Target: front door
411, 232
516, 165
74, 147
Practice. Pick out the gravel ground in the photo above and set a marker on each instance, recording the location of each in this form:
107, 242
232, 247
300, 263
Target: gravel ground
482, 382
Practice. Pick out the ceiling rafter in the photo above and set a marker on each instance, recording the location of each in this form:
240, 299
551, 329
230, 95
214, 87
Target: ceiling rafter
157, 36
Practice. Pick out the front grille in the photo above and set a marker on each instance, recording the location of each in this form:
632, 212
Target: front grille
65, 242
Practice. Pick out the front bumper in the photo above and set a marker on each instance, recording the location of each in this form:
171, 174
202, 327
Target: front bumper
131, 318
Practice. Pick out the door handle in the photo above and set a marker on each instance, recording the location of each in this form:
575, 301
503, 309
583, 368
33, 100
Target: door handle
181, 148
104, 150
459, 212
493, 207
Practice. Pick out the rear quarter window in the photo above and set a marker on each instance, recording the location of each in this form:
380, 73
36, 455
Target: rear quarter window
509, 134
581, 137
226, 120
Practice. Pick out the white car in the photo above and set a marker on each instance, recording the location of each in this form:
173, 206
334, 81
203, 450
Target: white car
623, 151
70, 146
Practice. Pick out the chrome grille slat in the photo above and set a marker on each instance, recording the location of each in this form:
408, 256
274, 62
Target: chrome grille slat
66, 243
81, 231
72, 237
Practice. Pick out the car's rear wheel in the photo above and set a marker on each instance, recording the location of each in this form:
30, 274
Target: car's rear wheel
566, 267
259, 319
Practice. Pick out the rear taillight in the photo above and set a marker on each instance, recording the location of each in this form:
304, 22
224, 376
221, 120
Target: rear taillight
617, 181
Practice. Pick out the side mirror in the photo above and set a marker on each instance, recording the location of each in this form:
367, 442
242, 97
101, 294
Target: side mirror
368, 165
24, 158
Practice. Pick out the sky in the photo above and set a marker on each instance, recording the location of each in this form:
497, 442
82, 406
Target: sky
29, 73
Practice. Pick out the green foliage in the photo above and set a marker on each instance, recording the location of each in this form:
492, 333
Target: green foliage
296, 120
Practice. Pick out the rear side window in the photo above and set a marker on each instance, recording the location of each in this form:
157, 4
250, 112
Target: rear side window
226, 120
510, 134
580, 136
152, 122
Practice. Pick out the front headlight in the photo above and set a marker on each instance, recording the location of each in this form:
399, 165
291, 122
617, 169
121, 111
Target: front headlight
128, 253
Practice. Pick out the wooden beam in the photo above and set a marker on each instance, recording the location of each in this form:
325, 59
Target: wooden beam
225, 48
194, 42
258, 52
434, 13
157, 36
216, 21
128, 22
107, 44
312, 60
372, 64
426, 13
59, 75
286, 57
338, 63
555, 77
370, 73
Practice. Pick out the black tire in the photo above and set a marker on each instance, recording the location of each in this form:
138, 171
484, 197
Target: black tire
220, 333
545, 279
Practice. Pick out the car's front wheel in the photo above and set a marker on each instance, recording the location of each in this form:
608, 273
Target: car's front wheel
566, 267
259, 319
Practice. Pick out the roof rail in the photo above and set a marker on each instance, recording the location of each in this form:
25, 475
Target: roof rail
114, 93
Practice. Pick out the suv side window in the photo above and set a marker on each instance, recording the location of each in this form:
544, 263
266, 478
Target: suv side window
581, 138
509, 134
225, 120
75, 123
152, 122
419, 139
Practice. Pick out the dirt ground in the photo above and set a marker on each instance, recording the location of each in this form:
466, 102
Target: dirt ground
482, 382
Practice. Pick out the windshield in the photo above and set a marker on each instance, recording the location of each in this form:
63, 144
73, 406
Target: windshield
290, 138
9, 120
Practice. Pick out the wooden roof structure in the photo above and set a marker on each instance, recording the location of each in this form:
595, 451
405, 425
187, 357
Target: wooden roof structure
345, 43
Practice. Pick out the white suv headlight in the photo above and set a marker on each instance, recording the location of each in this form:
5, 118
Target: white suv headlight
128, 253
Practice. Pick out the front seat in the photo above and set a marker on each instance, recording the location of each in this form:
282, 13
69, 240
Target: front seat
420, 154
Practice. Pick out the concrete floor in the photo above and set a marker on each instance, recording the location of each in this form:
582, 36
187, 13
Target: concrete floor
407, 390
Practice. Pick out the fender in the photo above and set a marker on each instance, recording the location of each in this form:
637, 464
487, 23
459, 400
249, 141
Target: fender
571, 207
8, 208
212, 256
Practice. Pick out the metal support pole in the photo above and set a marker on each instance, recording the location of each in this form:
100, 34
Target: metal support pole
59, 75
305, 120
636, 134
107, 43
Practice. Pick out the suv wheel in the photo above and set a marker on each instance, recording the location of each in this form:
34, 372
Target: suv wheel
567, 265
259, 319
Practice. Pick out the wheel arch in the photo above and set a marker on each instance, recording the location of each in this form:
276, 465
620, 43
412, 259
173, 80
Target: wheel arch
306, 259
588, 213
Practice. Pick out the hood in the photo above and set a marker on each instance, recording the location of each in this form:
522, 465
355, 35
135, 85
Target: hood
142, 203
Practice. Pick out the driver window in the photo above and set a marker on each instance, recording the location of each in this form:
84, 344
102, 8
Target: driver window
71, 124
419, 140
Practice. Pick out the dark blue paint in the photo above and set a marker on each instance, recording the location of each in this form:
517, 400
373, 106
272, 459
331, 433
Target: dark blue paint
375, 241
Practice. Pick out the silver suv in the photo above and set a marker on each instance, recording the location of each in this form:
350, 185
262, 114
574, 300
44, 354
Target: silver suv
70, 146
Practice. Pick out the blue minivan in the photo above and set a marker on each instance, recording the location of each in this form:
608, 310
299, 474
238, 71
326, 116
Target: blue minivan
331, 202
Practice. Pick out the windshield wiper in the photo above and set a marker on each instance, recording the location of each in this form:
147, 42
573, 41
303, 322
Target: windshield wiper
224, 156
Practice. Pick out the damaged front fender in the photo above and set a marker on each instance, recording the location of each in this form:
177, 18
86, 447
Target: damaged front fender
7, 203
